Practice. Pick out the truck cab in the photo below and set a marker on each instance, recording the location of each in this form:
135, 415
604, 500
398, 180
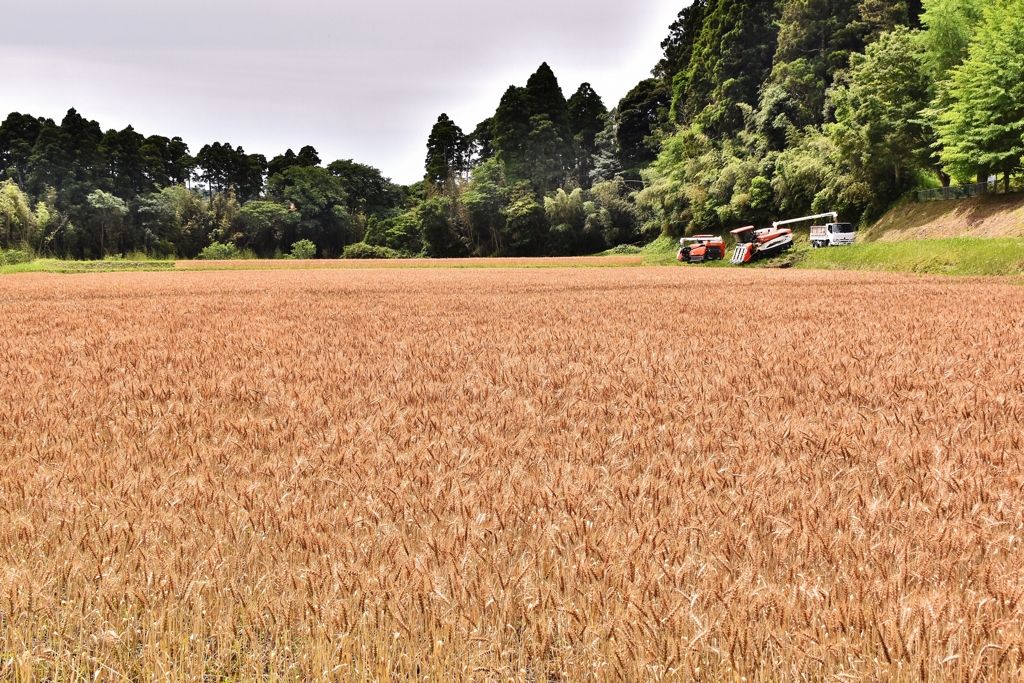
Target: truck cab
832, 235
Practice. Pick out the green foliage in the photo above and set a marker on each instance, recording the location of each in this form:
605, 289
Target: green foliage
97, 193
306, 158
18, 135
264, 225
319, 201
730, 59
981, 131
700, 185
218, 251
485, 200
567, 215
678, 46
950, 24
18, 224
367, 192
879, 133
109, 212
303, 249
616, 217
13, 257
223, 168
526, 226
815, 41
441, 224
531, 133
640, 115
361, 250
401, 233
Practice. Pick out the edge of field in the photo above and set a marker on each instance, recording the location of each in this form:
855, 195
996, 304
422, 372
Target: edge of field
525, 262
954, 256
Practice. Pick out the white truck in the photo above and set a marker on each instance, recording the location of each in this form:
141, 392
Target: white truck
832, 234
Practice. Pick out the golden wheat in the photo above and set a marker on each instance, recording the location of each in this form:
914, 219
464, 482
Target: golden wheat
510, 475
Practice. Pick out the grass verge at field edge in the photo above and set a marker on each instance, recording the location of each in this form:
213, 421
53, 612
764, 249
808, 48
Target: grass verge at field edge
963, 256
971, 256
73, 267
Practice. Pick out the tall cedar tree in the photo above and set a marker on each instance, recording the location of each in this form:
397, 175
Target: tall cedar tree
678, 46
447, 151
587, 115
641, 112
69, 159
306, 158
222, 167
532, 133
18, 135
674, 68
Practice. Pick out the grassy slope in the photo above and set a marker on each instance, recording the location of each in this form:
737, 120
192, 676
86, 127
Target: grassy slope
981, 236
986, 216
951, 256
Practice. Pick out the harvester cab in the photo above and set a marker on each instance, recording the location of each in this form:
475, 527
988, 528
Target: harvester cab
700, 248
753, 244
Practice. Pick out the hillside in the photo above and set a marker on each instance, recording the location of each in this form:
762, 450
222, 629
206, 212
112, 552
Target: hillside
980, 236
985, 216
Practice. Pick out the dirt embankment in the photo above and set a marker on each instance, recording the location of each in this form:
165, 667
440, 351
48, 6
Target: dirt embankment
986, 216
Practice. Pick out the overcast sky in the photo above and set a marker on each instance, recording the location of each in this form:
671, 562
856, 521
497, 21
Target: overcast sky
362, 80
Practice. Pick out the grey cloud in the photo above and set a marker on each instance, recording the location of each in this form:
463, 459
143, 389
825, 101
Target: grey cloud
356, 80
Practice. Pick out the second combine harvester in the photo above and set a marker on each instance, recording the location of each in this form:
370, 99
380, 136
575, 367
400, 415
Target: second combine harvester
753, 244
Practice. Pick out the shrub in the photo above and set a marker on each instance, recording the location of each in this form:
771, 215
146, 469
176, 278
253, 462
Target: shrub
303, 249
14, 257
219, 252
369, 251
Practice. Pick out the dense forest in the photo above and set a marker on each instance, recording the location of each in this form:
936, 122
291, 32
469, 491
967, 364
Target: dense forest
757, 109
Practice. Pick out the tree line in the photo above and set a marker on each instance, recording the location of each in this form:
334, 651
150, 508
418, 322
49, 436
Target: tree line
72, 190
757, 109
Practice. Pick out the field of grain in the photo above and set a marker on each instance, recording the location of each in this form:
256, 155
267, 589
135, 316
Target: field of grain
613, 474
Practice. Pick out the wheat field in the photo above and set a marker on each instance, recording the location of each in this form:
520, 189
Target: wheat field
613, 474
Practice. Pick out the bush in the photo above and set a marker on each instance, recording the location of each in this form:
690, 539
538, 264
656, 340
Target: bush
369, 251
625, 249
14, 257
219, 252
303, 249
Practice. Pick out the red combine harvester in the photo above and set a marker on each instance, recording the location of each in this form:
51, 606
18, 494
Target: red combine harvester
700, 248
753, 244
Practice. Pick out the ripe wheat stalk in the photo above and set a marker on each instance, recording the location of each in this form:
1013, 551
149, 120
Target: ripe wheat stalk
510, 475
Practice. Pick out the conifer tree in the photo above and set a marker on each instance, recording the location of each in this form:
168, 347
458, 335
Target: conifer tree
641, 113
531, 132
18, 135
447, 151
587, 115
